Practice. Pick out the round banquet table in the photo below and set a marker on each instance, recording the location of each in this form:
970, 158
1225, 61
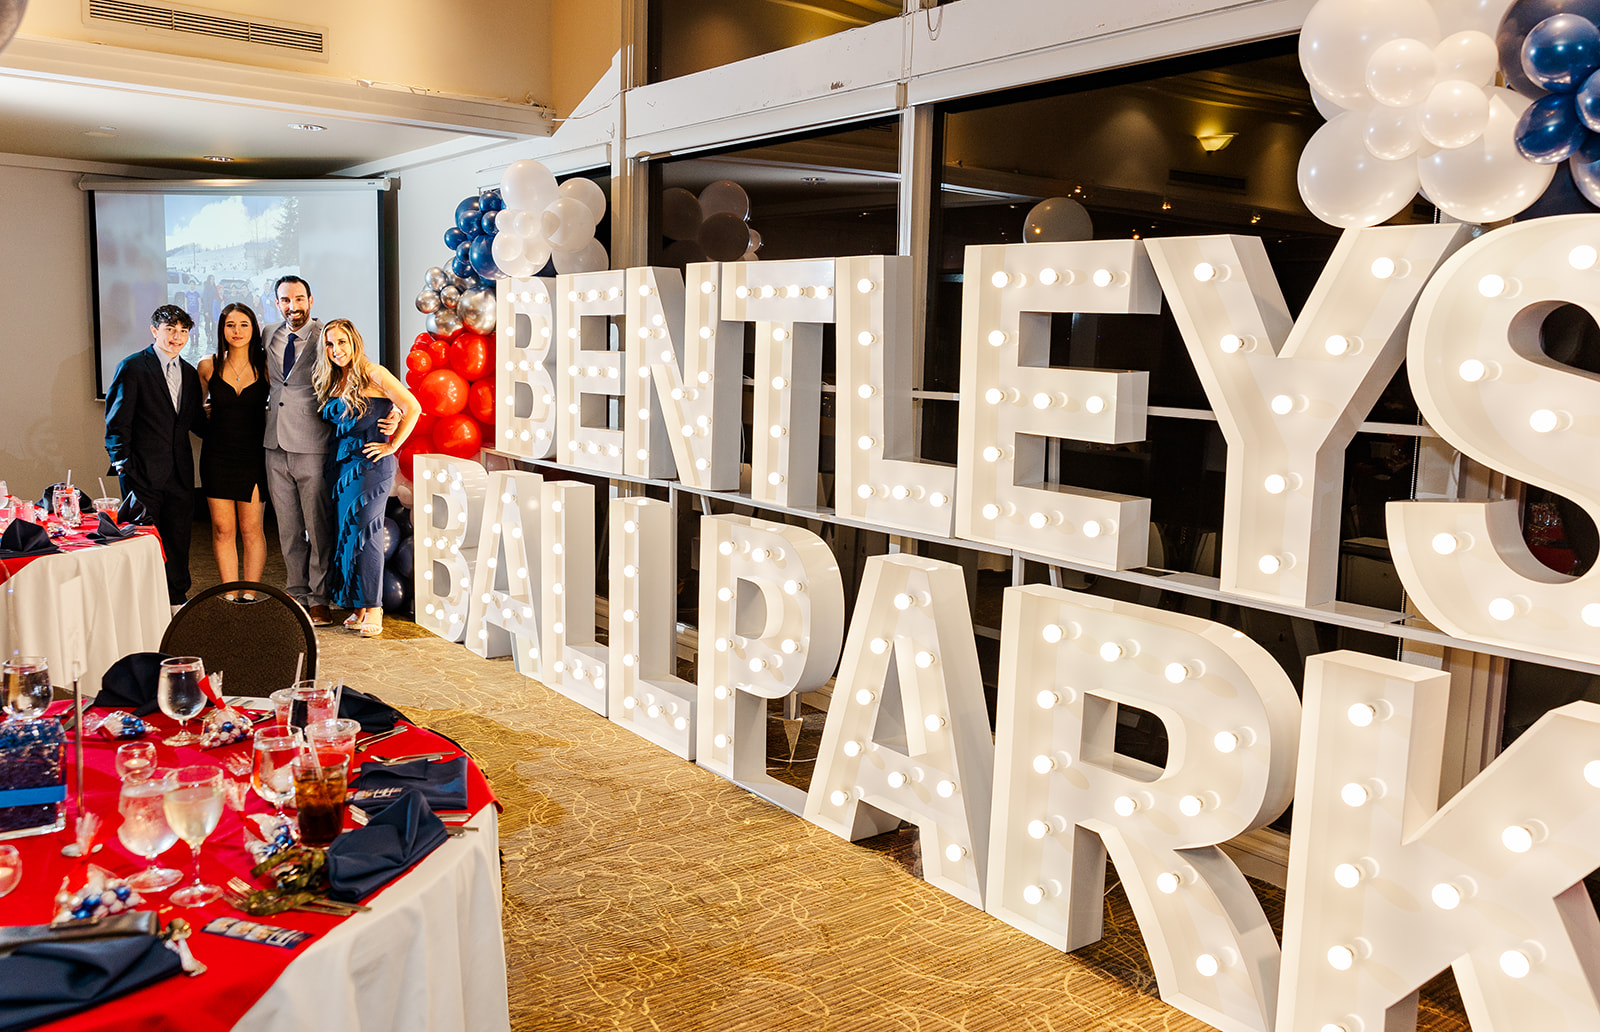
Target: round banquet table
428, 957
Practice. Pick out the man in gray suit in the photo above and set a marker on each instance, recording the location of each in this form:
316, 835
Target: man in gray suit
297, 450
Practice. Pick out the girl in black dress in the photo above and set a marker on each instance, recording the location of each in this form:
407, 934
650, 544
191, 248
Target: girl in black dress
233, 471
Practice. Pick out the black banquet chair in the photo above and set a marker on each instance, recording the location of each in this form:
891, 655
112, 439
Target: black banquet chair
255, 643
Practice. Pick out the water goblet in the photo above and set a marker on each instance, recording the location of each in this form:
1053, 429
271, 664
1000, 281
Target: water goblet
144, 829
180, 696
27, 687
64, 500
135, 759
271, 777
10, 867
193, 807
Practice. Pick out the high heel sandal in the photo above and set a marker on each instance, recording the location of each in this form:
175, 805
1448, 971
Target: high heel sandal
374, 625
353, 621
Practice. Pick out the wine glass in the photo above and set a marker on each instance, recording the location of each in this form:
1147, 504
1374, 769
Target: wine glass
275, 750
10, 868
144, 828
135, 759
28, 691
179, 695
193, 806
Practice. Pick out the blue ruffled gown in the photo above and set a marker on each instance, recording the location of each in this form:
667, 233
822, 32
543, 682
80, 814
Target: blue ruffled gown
360, 491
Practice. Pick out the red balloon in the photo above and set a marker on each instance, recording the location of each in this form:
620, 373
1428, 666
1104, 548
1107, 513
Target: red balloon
423, 340
471, 356
442, 392
424, 425
440, 350
417, 444
458, 435
414, 379
480, 401
420, 360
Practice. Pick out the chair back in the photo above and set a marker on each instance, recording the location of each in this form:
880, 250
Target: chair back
255, 643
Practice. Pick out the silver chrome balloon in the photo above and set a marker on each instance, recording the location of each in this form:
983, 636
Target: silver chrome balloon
444, 323
428, 301
436, 278
450, 296
476, 309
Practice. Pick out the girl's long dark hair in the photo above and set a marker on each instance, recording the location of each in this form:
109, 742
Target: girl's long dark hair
258, 347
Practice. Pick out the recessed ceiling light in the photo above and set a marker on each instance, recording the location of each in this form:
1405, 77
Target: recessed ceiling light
101, 130
307, 127
217, 157
812, 180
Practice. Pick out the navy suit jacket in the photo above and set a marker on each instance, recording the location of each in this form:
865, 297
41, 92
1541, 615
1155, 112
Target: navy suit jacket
147, 439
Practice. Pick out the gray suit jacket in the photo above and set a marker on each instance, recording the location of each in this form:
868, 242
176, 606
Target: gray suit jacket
292, 420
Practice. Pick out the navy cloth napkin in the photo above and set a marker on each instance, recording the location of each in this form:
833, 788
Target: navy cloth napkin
24, 539
130, 683
364, 860
442, 785
106, 529
371, 712
42, 981
132, 511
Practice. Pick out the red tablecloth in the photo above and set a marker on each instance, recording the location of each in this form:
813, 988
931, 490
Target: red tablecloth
77, 539
240, 972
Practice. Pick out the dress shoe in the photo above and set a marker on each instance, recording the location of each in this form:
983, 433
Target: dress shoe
320, 617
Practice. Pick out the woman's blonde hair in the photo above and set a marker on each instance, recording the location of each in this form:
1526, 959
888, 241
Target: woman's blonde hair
350, 382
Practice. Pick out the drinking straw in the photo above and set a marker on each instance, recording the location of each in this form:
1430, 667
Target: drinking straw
338, 695
103, 493
299, 667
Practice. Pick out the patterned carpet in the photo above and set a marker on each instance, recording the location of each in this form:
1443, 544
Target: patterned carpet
643, 892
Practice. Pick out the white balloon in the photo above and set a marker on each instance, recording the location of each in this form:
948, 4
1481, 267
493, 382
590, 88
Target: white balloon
518, 267
1344, 184
588, 192
524, 224
1391, 133
1475, 15
527, 184
1454, 114
1469, 56
507, 250
1339, 37
536, 252
1401, 72
1487, 180
567, 224
1331, 109
592, 258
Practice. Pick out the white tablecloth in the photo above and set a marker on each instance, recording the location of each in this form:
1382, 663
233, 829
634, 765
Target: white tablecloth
88, 607
430, 957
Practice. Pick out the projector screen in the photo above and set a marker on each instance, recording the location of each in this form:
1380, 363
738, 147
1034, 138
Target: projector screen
203, 245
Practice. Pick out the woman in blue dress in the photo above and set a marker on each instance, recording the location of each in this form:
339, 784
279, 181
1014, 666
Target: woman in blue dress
355, 393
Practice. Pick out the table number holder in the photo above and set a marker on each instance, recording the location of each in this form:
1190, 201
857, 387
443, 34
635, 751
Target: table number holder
33, 777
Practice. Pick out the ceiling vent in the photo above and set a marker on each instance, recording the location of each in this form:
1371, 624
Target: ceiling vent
214, 24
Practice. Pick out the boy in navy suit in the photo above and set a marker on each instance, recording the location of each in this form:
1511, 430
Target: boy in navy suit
153, 405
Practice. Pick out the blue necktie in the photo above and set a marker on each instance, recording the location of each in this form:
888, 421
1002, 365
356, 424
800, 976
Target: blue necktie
288, 356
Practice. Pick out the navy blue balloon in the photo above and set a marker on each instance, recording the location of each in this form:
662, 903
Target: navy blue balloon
464, 251
483, 260
488, 222
1561, 197
1586, 177
404, 561
460, 266
396, 592
492, 201
1519, 20
471, 222
1586, 102
454, 237
1561, 52
1549, 131
389, 536
468, 210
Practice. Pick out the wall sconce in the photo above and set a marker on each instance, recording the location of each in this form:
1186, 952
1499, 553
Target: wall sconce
1213, 142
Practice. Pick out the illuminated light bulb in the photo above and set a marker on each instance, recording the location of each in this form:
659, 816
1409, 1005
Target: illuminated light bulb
896, 779
1446, 896
780, 334
1111, 652
1094, 528
1033, 895
852, 748
1000, 279
1094, 404
1043, 400
1205, 272
721, 644
1038, 521
866, 491
1207, 965
556, 549
629, 660
1591, 773
865, 338
1362, 714
706, 287
1492, 285
1103, 277
994, 395
924, 660
1232, 344
629, 615
1355, 794
680, 724
1382, 268
741, 291
1053, 633
1043, 764
558, 666
768, 290
721, 692
866, 391
1038, 829
555, 506
1517, 838
954, 852
1515, 963
527, 612
1269, 564
1049, 277
726, 548
1338, 344
945, 789
1167, 883
483, 634
864, 286
992, 454
630, 702
903, 601
864, 696
558, 627
788, 646
774, 479
1176, 673
1502, 608
1341, 958
793, 587
705, 333
1225, 742
824, 291
1282, 404
1591, 614
1275, 483
865, 442
779, 383
1544, 421
1190, 805
1047, 699
702, 463
1582, 257
1125, 806
720, 740
758, 664
1445, 544
900, 492
878, 646
792, 290
938, 499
